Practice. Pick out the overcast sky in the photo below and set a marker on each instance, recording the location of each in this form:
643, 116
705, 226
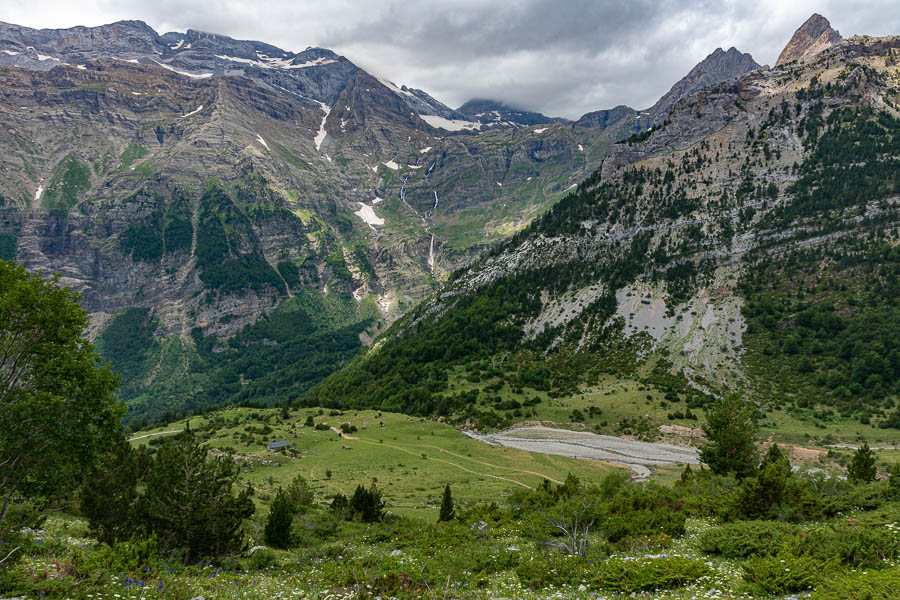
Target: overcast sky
560, 57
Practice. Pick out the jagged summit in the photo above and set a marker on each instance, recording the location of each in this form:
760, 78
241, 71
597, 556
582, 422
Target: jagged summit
720, 65
814, 36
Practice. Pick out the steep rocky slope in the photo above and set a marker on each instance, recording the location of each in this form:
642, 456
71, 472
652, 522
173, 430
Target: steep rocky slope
749, 243
811, 38
189, 184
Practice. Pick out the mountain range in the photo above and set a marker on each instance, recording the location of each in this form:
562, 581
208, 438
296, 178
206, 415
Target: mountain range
240, 220
748, 244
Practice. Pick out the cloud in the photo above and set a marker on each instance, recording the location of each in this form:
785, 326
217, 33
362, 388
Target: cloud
562, 57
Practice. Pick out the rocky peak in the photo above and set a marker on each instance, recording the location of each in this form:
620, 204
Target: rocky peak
721, 65
814, 36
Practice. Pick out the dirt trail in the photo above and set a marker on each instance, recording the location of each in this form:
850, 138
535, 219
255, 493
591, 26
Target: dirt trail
481, 462
452, 464
146, 435
640, 457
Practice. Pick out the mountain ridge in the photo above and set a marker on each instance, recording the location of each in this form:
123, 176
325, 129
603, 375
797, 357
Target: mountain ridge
696, 261
196, 188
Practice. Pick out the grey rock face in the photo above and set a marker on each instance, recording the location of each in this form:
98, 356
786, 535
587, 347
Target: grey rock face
811, 38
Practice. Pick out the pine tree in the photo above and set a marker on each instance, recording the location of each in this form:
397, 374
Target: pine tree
730, 429
189, 502
862, 468
447, 512
278, 525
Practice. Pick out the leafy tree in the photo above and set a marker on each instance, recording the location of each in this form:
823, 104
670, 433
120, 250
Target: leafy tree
730, 429
57, 410
278, 525
862, 468
189, 502
309, 421
447, 512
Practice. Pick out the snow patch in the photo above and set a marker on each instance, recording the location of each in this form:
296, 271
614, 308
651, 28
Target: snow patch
393, 87
500, 184
139, 94
367, 214
391, 165
425, 150
450, 124
38, 193
10, 52
260, 139
580, 148
178, 45
193, 112
377, 200
320, 136
541, 130
81, 67
185, 73
264, 61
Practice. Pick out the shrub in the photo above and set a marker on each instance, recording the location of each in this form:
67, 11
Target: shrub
745, 538
871, 585
123, 557
849, 545
783, 573
629, 576
263, 558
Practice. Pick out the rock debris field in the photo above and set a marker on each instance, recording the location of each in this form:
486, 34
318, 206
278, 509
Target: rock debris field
640, 457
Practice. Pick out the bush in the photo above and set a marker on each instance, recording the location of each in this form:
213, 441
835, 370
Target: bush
263, 558
871, 585
849, 545
123, 557
538, 572
745, 538
629, 576
783, 573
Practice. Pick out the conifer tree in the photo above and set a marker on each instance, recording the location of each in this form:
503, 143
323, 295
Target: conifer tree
447, 512
189, 502
278, 525
862, 468
730, 429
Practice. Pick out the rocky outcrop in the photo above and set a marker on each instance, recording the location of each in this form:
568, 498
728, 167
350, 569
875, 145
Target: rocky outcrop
814, 36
